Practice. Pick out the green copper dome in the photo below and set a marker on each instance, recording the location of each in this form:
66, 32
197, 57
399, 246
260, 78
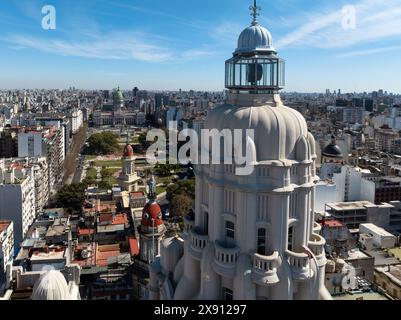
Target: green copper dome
118, 96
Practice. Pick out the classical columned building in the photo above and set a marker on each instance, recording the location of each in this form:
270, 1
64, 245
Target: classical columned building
251, 236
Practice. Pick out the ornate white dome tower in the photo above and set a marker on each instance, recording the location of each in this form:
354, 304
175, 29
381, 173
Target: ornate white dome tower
254, 237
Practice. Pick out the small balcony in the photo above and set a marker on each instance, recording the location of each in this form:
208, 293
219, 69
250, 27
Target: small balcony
188, 225
225, 258
198, 241
300, 265
264, 271
316, 245
317, 228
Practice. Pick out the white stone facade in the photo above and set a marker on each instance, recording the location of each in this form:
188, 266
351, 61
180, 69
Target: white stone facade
6, 246
252, 237
77, 120
17, 201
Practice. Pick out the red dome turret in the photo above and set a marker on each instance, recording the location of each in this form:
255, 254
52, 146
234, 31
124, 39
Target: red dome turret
152, 211
128, 151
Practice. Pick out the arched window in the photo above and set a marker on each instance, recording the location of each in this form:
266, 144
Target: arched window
262, 237
206, 222
230, 230
290, 238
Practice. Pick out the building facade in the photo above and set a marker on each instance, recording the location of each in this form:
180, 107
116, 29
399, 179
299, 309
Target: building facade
6, 247
17, 200
252, 236
128, 179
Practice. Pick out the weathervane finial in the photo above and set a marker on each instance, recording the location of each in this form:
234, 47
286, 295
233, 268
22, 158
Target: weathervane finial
255, 12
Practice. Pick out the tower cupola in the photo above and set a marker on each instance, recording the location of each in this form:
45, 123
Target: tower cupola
255, 66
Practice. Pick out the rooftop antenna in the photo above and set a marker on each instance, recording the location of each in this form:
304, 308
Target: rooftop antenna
255, 12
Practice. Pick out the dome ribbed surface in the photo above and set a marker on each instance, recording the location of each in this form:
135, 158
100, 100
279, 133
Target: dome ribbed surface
255, 38
277, 129
51, 286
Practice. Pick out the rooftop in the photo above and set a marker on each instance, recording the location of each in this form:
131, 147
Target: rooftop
90, 259
371, 295
106, 252
382, 258
332, 223
137, 194
378, 230
356, 254
395, 252
393, 272
54, 254
357, 205
4, 225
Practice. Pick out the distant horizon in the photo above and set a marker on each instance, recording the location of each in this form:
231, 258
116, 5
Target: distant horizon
195, 90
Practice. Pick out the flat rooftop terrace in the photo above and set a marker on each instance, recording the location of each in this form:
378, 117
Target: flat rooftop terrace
361, 296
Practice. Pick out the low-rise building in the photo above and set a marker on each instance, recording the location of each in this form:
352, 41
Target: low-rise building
352, 214
380, 237
6, 248
389, 279
364, 264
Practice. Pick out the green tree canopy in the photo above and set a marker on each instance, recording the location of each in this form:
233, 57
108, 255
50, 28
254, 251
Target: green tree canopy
71, 197
185, 187
180, 205
103, 143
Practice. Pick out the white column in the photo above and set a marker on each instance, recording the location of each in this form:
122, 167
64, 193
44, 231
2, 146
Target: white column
216, 210
246, 221
301, 237
198, 201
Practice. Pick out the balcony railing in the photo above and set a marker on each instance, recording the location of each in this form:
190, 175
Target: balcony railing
300, 265
317, 228
188, 224
198, 241
265, 269
225, 258
316, 245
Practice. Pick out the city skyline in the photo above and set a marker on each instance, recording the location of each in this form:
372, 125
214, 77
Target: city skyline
168, 46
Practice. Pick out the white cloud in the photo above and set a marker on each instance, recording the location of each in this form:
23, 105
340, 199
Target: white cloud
375, 20
227, 32
113, 46
368, 52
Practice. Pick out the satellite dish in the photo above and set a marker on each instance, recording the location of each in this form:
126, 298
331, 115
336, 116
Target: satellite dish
252, 74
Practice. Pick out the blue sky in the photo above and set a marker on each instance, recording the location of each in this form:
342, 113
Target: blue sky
160, 44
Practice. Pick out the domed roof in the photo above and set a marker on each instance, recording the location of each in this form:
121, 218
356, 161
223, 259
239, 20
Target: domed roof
277, 129
128, 151
332, 150
255, 38
118, 95
152, 211
51, 286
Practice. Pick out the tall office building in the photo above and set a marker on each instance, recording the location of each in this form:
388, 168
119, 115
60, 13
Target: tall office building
254, 236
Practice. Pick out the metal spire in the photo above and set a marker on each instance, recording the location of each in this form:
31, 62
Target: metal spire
255, 12
152, 196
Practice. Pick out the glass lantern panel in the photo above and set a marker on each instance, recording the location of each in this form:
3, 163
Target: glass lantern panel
282, 74
244, 74
237, 74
